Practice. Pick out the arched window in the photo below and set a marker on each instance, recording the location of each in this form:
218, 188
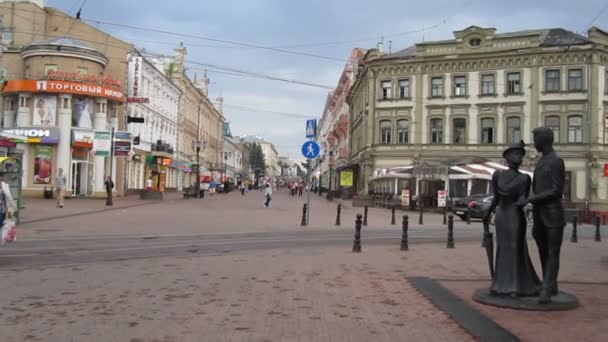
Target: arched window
459, 131
436, 131
575, 129
513, 130
403, 131
487, 131
385, 132
553, 122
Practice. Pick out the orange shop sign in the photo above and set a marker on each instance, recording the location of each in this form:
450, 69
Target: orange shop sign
50, 86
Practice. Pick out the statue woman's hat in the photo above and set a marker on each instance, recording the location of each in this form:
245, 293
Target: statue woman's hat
517, 146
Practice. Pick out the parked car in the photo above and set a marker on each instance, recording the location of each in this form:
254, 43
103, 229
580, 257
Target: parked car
479, 205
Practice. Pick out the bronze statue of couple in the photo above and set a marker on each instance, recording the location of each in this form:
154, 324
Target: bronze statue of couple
514, 275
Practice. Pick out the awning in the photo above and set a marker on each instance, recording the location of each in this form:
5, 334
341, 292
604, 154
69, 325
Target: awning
483, 170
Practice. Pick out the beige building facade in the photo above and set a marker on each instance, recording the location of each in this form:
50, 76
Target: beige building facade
418, 115
65, 80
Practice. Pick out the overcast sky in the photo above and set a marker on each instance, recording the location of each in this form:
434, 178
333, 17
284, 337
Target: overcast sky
322, 27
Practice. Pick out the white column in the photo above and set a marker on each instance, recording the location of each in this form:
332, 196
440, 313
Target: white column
100, 125
64, 122
27, 176
24, 113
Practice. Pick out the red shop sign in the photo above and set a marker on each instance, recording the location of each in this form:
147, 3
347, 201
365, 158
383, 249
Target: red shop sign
606, 170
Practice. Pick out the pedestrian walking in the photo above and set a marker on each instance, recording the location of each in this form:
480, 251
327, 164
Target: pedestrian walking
149, 183
7, 204
212, 187
242, 188
109, 184
300, 189
268, 195
60, 187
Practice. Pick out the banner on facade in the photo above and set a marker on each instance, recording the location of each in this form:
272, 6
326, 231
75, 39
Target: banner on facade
82, 113
102, 142
405, 197
45, 110
441, 198
346, 178
43, 164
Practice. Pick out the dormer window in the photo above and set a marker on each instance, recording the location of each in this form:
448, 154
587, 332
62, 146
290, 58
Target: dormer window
475, 42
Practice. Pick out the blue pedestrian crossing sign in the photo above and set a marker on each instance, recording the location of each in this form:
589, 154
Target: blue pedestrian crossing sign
310, 150
311, 128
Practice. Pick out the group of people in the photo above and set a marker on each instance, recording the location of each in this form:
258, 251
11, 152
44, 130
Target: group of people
61, 182
295, 188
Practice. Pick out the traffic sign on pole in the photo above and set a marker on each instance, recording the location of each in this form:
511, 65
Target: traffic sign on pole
310, 150
311, 128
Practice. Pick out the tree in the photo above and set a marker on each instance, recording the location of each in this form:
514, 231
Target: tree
257, 160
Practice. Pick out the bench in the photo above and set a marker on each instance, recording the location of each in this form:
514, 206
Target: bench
190, 192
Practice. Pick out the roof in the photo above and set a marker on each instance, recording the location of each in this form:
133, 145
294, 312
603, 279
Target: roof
63, 41
561, 37
407, 52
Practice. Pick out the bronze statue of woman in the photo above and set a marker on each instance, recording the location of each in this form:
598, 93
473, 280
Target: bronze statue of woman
514, 273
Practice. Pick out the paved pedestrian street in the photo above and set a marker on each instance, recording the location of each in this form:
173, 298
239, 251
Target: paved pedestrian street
228, 269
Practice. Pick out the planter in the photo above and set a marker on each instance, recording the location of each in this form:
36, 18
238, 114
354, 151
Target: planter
151, 195
48, 193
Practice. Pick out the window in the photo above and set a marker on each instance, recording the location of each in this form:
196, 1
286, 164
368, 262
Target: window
513, 130
403, 127
474, 42
460, 86
49, 67
575, 79
404, 89
487, 131
575, 129
487, 85
552, 80
553, 123
385, 132
436, 131
568, 186
83, 71
513, 83
459, 131
7, 37
386, 89
437, 87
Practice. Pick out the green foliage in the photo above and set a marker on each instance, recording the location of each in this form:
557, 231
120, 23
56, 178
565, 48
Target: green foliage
256, 159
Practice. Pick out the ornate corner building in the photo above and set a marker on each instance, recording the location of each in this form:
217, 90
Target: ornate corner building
442, 112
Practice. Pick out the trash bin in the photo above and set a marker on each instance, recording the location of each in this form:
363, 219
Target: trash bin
48, 192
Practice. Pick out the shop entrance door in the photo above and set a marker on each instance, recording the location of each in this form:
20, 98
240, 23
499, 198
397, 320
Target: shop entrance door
428, 192
82, 178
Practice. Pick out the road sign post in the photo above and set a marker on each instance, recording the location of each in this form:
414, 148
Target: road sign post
310, 151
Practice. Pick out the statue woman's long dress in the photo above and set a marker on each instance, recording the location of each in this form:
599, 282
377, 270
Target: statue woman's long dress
514, 275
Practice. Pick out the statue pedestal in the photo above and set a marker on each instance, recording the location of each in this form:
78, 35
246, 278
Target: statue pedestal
563, 301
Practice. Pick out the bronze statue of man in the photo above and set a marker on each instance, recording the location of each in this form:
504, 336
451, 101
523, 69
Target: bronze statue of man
549, 222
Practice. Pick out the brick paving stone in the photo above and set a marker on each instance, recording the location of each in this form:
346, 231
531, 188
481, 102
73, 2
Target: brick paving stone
297, 294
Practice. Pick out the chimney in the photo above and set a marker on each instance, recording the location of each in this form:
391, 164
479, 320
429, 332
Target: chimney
381, 45
220, 104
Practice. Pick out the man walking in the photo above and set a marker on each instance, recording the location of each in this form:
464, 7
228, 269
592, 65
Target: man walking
60, 187
549, 222
268, 195
109, 184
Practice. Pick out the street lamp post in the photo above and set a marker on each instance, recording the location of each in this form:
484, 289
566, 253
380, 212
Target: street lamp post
330, 195
198, 145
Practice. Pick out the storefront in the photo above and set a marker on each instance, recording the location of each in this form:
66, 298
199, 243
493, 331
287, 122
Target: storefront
158, 166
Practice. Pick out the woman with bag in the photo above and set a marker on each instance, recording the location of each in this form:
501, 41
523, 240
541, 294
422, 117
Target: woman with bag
7, 208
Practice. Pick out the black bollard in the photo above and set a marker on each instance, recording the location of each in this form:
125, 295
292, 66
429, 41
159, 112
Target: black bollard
303, 215
357, 243
598, 238
420, 219
339, 210
445, 215
574, 237
404, 227
393, 215
468, 215
450, 232
365, 216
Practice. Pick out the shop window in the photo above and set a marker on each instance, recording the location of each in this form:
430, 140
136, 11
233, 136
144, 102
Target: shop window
487, 131
459, 131
436, 131
479, 187
513, 130
575, 129
458, 188
553, 123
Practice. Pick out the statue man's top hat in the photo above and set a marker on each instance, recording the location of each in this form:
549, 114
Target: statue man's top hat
517, 146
